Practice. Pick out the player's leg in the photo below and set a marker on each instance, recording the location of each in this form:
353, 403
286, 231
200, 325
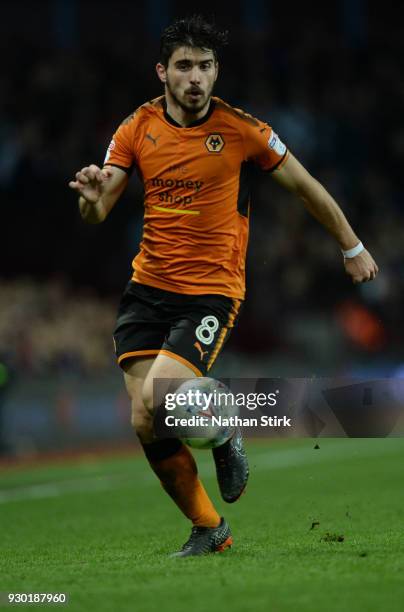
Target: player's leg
197, 337
177, 472
135, 373
171, 460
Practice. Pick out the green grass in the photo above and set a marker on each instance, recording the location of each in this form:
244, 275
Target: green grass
101, 530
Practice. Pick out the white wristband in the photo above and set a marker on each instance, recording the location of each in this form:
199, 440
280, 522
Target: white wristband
354, 251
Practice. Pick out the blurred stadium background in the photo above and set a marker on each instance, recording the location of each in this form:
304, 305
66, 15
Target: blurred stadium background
327, 77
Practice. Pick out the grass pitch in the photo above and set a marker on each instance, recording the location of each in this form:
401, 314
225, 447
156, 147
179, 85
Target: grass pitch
101, 531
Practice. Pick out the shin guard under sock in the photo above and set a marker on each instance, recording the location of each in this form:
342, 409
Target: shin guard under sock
174, 465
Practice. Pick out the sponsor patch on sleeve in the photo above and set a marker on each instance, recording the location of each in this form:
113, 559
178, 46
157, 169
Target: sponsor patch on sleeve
276, 144
110, 148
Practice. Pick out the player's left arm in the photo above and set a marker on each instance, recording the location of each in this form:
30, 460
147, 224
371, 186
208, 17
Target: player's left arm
322, 206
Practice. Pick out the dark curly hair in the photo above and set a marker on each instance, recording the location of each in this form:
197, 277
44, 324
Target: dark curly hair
194, 32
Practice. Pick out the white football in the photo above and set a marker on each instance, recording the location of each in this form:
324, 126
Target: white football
203, 412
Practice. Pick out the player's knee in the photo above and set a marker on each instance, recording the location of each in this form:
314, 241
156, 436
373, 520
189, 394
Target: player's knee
143, 429
154, 393
142, 423
147, 398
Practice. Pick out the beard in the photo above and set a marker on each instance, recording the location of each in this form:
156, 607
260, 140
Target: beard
191, 107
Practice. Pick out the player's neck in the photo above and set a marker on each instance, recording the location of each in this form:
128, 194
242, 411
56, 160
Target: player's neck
179, 115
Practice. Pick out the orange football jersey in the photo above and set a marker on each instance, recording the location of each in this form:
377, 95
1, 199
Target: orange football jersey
197, 182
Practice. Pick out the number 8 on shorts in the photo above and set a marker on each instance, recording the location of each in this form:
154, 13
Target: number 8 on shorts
205, 332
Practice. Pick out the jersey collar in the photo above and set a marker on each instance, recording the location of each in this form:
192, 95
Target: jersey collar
194, 123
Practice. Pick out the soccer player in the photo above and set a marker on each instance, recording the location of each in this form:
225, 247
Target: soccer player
194, 153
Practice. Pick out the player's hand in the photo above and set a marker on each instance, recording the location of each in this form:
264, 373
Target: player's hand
361, 268
90, 182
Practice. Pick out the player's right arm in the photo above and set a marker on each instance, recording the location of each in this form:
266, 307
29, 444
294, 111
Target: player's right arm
99, 190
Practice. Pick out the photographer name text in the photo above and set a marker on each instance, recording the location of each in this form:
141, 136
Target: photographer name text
233, 421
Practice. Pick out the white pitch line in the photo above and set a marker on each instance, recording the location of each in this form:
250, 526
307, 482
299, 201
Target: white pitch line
341, 450
56, 489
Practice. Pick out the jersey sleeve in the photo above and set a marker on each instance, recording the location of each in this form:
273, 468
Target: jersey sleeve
264, 147
121, 150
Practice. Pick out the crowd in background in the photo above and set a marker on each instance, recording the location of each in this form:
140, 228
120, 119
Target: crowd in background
46, 328
333, 91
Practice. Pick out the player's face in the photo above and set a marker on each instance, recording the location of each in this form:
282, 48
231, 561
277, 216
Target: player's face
190, 77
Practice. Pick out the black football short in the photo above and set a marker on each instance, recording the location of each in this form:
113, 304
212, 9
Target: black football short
189, 328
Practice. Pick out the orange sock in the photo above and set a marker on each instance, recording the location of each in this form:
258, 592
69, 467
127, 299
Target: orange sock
179, 476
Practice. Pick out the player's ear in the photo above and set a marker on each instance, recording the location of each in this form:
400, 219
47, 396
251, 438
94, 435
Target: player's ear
216, 69
161, 72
